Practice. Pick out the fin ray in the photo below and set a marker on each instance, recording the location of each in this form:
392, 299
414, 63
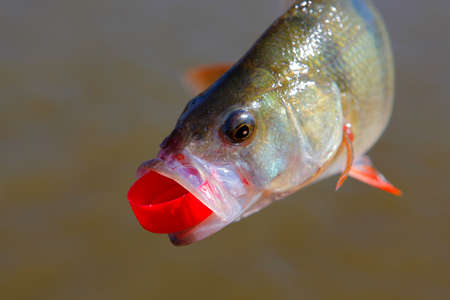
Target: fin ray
364, 171
347, 141
200, 78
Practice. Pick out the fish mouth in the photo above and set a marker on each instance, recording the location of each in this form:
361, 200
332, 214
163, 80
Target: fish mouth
184, 197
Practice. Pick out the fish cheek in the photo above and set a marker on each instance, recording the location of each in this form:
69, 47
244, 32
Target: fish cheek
316, 113
300, 131
321, 121
272, 147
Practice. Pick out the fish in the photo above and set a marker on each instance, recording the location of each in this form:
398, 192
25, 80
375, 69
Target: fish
306, 102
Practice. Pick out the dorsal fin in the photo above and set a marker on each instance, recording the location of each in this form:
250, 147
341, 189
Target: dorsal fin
200, 78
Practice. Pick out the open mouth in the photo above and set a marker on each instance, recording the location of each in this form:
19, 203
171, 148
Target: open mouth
162, 205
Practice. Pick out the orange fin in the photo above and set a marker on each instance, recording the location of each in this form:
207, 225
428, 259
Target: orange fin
364, 171
200, 78
347, 141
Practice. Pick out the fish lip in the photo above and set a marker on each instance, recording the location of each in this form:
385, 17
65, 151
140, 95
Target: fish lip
206, 228
226, 188
189, 172
177, 241
213, 185
196, 177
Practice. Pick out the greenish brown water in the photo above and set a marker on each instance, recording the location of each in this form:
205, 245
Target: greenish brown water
90, 88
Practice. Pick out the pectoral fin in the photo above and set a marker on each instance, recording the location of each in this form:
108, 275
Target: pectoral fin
347, 140
363, 170
200, 78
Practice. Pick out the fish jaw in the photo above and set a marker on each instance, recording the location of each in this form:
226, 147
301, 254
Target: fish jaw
209, 226
179, 194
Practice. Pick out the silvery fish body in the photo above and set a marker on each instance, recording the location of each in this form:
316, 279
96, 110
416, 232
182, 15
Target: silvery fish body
273, 123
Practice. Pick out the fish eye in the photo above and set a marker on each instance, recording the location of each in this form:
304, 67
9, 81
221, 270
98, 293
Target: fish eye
238, 127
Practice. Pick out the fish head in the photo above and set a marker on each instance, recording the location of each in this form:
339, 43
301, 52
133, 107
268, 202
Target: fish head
235, 148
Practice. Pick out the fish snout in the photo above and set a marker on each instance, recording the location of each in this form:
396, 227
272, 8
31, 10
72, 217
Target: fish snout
146, 166
174, 142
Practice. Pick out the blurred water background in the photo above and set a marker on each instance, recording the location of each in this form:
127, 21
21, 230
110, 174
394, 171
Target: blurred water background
88, 90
